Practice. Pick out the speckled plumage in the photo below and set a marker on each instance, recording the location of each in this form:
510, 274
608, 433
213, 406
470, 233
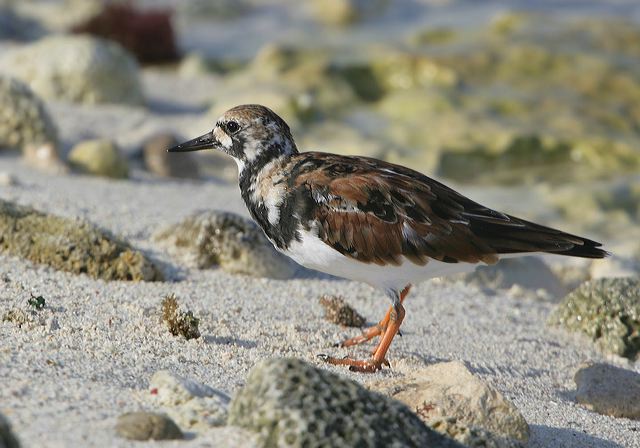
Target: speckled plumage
366, 219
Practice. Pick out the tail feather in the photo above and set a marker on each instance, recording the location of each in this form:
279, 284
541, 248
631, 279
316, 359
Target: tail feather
527, 236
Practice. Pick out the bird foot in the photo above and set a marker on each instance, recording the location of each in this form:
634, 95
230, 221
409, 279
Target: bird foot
355, 365
365, 336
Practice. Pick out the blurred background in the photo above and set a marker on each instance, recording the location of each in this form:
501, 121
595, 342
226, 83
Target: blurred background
530, 106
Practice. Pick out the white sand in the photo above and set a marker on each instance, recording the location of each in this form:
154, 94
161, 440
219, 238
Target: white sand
65, 387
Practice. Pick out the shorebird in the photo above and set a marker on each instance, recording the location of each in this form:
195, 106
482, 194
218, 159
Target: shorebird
367, 220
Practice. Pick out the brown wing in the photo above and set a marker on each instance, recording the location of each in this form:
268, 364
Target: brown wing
377, 212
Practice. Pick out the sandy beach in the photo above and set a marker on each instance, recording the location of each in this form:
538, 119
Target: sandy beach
65, 384
73, 367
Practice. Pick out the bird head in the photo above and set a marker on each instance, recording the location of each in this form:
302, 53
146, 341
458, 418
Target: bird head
252, 134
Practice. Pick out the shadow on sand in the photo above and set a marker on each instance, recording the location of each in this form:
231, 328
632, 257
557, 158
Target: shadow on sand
548, 436
228, 340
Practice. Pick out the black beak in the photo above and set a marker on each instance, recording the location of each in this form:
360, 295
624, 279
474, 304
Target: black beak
206, 141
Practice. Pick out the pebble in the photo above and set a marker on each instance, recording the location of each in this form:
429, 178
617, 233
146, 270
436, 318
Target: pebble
7, 438
608, 390
44, 157
158, 161
450, 390
99, 157
147, 426
189, 403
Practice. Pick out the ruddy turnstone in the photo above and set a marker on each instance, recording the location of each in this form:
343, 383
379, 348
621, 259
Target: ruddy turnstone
365, 219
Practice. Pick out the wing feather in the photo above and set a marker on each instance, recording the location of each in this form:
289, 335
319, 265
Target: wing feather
377, 212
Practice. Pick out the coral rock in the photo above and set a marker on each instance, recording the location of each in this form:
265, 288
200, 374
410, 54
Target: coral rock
608, 311
339, 312
76, 68
70, 245
290, 403
234, 243
23, 117
180, 323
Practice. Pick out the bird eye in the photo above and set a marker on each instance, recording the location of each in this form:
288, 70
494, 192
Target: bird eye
232, 127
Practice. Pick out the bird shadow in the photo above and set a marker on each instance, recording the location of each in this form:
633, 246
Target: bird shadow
543, 435
175, 273
229, 340
303, 273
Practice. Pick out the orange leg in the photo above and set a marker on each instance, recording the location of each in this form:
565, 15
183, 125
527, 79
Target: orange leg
376, 330
394, 319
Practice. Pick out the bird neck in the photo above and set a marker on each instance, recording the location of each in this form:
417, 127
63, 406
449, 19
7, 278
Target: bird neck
260, 184
257, 154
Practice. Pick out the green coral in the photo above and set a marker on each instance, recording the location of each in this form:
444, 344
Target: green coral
608, 311
527, 157
180, 323
70, 245
228, 240
290, 403
339, 312
23, 117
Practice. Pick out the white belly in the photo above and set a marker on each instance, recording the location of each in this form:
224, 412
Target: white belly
311, 252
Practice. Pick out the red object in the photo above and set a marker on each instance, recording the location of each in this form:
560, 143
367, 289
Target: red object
147, 34
154, 391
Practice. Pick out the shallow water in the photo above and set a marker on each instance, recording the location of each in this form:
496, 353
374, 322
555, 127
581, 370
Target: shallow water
289, 21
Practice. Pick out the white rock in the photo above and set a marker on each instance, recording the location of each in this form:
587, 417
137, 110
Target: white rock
608, 390
80, 69
449, 389
189, 403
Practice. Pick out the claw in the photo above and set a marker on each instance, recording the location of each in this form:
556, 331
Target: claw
368, 366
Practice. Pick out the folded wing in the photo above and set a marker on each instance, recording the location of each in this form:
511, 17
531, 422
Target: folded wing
377, 212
